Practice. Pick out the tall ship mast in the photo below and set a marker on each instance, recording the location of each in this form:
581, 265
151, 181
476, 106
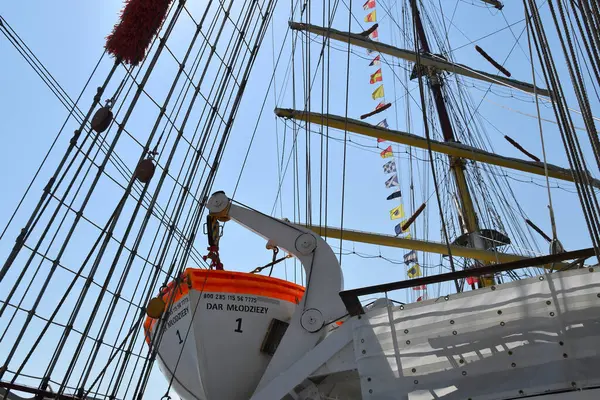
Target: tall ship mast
307, 200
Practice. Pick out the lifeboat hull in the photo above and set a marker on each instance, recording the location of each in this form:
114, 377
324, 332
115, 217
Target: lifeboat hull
216, 327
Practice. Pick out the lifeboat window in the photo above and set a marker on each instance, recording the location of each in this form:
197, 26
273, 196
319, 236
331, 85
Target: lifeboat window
273, 336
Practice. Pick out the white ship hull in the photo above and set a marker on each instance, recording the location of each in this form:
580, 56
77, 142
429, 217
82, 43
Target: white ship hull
535, 337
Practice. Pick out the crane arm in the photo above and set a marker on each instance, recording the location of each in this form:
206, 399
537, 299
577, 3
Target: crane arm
321, 303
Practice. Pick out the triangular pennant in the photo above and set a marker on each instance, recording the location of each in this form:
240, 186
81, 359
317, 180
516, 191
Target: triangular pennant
371, 17
394, 195
369, 4
383, 124
387, 152
376, 61
374, 35
392, 181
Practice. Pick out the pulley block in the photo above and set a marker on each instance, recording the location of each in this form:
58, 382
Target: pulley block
145, 170
101, 119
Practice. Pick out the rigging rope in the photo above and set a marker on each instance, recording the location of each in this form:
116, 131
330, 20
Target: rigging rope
49, 80
574, 153
123, 350
72, 107
415, 15
537, 106
347, 96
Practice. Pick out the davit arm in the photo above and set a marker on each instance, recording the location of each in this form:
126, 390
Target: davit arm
321, 303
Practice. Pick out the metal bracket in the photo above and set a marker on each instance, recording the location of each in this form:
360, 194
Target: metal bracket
309, 362
321, 301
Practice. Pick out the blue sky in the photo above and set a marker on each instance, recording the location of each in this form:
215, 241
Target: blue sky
69, 40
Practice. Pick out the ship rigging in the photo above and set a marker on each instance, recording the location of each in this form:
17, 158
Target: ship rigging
129, 262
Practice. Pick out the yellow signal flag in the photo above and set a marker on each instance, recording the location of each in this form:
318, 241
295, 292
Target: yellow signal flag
378, 93
371, 17
397, 212
414, 271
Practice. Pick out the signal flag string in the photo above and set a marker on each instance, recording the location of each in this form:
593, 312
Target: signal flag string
390, 168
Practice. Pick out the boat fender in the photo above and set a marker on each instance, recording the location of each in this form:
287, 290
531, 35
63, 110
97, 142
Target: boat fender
155, 308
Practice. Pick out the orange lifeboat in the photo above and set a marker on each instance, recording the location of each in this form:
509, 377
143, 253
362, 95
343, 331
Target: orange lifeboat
222, 327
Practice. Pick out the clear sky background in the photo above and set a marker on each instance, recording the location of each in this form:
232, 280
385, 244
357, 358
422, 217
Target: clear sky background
69, 37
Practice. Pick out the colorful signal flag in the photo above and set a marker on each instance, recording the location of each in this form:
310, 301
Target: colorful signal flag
389, 167
376, 61
371, 17
398, 228
414, 271
383, 124
392, 181
397, 212
369, 4
376, 76
471, 280
374, 35
409, 257
394, 195
387, 152
378, 93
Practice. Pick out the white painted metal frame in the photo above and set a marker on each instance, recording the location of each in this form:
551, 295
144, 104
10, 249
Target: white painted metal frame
306, 365
320, 305
530, 337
